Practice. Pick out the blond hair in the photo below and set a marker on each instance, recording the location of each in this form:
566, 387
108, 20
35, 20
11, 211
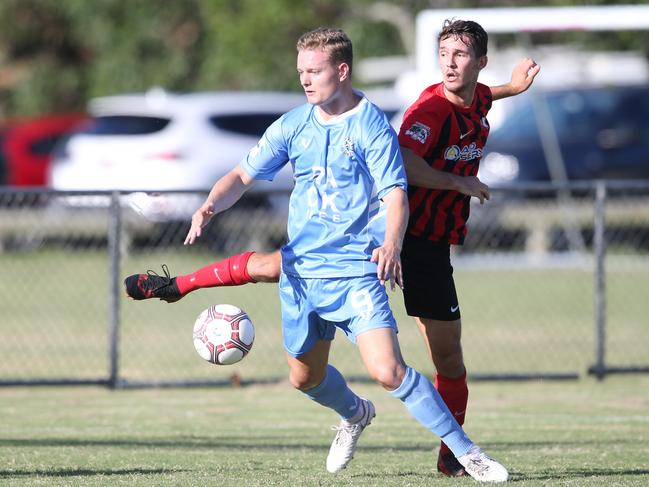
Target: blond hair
333, 41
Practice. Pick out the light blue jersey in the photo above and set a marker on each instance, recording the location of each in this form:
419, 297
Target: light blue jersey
342, 167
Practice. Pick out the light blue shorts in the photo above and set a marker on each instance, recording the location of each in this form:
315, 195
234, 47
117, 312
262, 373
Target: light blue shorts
312, 309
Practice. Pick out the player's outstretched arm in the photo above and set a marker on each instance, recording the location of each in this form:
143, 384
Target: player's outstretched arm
225, 192
388, 255
522, 77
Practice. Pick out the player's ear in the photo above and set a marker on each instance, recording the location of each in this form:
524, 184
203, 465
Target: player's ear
343, 71
482, 61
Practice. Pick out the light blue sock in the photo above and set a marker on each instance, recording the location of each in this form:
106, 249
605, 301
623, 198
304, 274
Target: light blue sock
333, 393
427, 406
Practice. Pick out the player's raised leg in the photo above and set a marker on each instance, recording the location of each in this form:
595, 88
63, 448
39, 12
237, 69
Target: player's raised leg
382, 357
236, 270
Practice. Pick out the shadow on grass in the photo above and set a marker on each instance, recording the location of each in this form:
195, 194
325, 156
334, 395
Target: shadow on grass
275, 442
571, 473
189, 443
84, 472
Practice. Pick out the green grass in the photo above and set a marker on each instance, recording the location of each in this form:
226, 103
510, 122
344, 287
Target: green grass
514, 321
577, 433
55, 324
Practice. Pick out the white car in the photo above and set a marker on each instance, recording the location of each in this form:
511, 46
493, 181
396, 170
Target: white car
165, 141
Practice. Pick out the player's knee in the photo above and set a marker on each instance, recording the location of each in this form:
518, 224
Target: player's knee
389, 376
265, 267
450, 364
303, 381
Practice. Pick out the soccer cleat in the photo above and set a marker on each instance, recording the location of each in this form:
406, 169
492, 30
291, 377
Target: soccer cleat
448, 465
481, 467
153, 285
344, 444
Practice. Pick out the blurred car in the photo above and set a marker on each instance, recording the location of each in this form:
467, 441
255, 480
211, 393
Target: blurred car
27, 146
4, 128
600, 133
164, 141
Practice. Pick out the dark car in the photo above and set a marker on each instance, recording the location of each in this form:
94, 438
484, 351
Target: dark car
586, 133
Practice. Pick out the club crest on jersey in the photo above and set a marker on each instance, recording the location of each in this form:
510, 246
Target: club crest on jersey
348, 147
466, 153
419, 132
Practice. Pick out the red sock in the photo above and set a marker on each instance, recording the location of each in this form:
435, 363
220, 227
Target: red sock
456, 395
227, 272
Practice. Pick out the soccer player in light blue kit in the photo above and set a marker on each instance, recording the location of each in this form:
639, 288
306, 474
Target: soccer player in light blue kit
347, 217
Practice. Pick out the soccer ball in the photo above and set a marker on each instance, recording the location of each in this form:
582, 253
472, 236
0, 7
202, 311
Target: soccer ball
223, 334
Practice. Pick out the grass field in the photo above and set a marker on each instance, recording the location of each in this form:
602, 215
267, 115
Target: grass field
577, 433
514, 321
54, 324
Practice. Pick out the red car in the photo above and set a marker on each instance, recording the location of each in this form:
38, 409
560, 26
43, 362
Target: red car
27, 146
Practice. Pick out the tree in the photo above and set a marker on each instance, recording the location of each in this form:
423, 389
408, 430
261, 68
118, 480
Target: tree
58, 54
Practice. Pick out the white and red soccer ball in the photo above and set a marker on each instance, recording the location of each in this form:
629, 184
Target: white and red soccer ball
223, 334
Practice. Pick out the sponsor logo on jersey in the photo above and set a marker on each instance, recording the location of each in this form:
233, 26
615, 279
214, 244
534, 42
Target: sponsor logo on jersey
322, 196
466, 153
419, 132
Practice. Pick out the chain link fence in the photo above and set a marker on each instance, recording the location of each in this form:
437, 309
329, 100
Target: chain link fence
553, 282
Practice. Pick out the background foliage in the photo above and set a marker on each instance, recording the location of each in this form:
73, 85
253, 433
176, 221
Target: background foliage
56, 54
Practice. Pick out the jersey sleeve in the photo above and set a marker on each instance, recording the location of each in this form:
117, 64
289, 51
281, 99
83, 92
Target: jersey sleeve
419, 129
384, 161
270, 154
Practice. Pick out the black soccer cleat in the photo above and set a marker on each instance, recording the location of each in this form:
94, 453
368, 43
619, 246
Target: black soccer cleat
448, 465
152, 285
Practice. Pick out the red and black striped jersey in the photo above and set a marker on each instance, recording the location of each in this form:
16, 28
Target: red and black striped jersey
450, 138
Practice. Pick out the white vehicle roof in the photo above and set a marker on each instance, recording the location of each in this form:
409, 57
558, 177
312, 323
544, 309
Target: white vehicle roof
158, 102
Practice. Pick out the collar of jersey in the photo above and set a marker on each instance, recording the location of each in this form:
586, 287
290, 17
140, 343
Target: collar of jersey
343, 115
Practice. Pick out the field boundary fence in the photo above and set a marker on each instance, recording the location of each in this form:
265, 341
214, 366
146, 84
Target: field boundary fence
553, 283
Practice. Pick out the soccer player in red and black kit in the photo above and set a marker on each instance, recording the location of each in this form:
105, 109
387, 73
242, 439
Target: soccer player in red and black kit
442, 138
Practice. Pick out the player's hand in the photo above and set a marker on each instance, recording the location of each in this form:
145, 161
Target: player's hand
523, 75
200, 218
472, 186
388, 260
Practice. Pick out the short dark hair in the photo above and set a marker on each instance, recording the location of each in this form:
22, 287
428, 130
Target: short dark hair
471, 33
334, 41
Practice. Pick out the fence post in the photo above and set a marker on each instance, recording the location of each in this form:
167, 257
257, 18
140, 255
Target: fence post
599, 248
114, 243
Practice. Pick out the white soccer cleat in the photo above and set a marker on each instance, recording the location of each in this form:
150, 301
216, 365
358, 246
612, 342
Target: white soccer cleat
481, 467
344, 444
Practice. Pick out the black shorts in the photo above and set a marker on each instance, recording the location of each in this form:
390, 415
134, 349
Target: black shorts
429, 289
